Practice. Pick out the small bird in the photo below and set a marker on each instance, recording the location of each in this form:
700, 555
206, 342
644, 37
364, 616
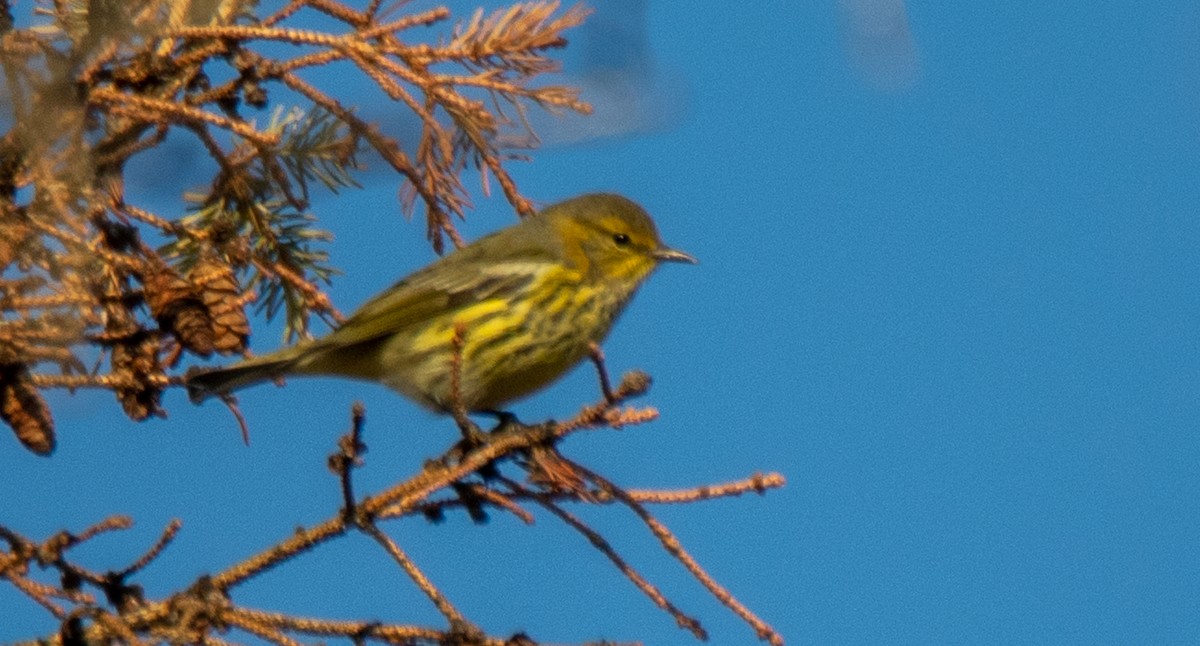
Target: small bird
527, 303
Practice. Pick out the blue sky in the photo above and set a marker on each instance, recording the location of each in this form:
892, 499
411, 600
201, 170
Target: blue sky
948, 288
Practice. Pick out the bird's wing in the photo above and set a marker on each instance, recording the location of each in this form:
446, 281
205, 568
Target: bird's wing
430, 292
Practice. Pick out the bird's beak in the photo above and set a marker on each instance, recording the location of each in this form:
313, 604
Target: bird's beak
673, 255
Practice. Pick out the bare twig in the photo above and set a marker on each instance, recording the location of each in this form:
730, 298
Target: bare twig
685, 621
158, 111
675, 549
169, 533
458, 622
758, 483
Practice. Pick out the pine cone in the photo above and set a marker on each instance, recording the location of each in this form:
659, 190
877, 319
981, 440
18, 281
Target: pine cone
221, 295
179, 310
23, 409
139, 371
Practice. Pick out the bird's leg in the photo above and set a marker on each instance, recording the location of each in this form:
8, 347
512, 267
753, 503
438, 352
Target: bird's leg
473, 436
597, 356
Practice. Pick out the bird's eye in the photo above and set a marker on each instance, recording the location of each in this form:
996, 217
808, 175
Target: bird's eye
621, 239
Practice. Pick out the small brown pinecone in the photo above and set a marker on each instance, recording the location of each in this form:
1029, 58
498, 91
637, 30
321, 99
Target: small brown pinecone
221, 294
178, 309
23, 409
136, 365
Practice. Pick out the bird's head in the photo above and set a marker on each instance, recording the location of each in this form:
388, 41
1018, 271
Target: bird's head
613, 237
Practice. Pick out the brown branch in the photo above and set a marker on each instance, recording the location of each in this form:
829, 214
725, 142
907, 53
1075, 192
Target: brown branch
117, 628
201, 53
285, 12
158, 111
75, 243
257, 32
110, 524
160, 223
436, 507
503, 502
758, 483
301, 541
109, 382
47, 301
349, 457
522, 205
458, 622
675, 549
271, 162
40, 593
314, 59
141, 144
391, 152
685, 621
317, 299
370, 64
404, 496
339, 11
424, 19
394, 634
249, 623
168, 535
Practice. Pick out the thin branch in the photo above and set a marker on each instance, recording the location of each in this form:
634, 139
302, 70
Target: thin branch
685, 621
249, 623
348, 458
675, 549
758, 483
157, 110
390, 633
169, 533
301, 541
458, 622
107, 382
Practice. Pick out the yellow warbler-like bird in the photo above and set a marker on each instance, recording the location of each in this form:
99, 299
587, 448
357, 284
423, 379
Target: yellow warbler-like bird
528, 301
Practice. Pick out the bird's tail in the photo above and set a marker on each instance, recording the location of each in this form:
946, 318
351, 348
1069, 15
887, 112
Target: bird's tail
203, 384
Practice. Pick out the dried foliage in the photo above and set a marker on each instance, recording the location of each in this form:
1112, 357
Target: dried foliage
107, 607
88, 276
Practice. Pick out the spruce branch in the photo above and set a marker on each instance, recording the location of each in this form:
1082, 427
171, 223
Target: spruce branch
96, 85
